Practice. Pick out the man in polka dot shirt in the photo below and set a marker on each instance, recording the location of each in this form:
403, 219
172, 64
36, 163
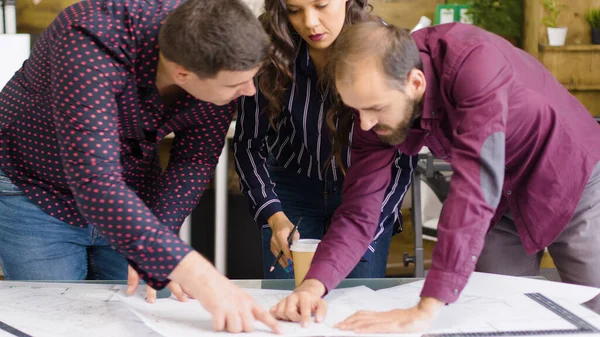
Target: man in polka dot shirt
80, 182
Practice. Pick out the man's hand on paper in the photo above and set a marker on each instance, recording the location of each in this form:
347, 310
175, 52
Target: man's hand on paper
415, 319
133, 280
232, 309
281, 227
305, 301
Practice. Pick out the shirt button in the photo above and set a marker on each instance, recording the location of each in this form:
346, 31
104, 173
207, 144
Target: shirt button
509, 192
473, 258
455, 291
433, 113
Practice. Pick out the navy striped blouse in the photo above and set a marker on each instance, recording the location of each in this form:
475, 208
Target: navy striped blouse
301, 143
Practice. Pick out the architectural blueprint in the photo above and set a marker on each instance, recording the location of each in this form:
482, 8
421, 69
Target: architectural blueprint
498, 308
488, 303
173, 318
67, 309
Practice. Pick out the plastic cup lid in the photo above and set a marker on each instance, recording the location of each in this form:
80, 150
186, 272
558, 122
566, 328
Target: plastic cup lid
305, 245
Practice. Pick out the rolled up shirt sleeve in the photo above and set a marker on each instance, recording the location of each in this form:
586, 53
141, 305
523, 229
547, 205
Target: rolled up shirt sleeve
356, 219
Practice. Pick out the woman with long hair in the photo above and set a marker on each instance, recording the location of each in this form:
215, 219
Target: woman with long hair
283, 151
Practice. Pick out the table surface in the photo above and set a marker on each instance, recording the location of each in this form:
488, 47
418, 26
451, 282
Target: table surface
374, 283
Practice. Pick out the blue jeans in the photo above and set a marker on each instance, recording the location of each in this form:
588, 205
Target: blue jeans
37, 246
315, 202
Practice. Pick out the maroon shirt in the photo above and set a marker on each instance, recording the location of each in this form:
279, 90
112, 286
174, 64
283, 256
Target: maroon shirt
516, 140
80, 124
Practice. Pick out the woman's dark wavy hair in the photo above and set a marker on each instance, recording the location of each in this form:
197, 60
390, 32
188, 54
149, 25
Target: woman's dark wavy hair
276, 75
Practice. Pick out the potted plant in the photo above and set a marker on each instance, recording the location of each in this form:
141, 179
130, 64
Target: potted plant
593, 18
556, 35
504, 18
501, 17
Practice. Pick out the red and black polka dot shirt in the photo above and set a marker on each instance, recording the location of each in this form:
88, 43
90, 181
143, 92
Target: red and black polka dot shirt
80, 124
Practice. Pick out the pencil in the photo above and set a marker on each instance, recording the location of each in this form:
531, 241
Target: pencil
289, 240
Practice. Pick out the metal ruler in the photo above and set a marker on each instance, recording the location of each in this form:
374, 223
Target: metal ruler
581, 326
12, 331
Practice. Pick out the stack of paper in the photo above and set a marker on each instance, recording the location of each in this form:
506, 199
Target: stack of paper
488, 303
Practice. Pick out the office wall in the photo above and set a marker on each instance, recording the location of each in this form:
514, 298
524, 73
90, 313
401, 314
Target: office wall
575, 64
33, 18
405, 13
572, 17
402, 13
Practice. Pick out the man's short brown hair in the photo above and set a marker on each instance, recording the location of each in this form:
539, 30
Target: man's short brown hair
207, 36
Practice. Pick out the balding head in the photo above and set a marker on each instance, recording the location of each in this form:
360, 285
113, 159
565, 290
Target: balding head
378, 72
374, 45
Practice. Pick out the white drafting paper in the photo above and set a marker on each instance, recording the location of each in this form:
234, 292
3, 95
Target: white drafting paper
170, 317
488, 303
473, 312
500, 286
482, 284
67, 309
496, 303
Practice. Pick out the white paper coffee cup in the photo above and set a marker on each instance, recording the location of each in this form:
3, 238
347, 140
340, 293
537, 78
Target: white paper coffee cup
303, 251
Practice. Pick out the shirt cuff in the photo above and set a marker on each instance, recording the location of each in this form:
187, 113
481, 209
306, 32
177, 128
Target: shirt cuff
159, 260
155, 283
444, 286
326, 273
268, 208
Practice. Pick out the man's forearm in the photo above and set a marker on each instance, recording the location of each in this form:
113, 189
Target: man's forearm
430, 304
312, 286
